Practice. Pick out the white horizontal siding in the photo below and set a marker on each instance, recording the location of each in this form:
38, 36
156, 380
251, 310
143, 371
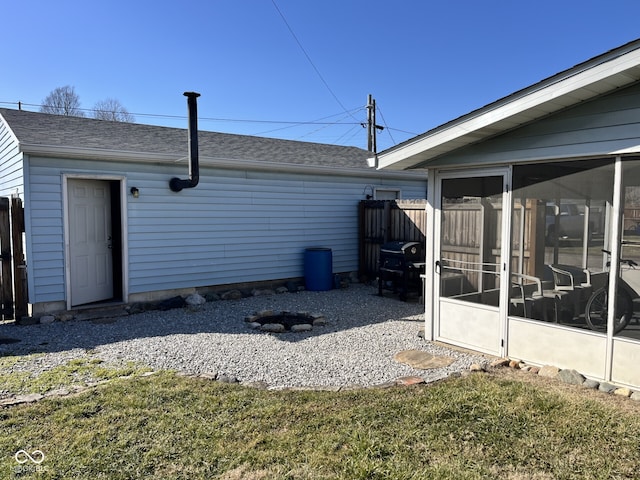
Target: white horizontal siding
45, 234
247, 227
235, 226
597, 127
11, 167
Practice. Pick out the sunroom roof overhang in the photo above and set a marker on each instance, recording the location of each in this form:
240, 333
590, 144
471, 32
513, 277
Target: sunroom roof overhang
598, 76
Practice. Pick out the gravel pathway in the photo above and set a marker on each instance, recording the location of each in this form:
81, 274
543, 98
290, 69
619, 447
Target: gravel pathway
355, 348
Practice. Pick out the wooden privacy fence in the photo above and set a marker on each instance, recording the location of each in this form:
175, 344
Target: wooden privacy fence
13, 273
382, 221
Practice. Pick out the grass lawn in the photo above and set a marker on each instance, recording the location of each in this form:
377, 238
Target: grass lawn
497, 425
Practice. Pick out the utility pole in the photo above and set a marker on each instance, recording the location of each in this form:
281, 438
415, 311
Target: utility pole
371, 132
371, 125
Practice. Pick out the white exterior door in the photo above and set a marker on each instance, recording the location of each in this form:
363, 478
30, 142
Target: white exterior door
471, 259
90, 241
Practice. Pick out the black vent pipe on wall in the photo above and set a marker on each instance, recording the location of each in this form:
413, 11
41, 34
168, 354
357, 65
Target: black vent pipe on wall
177, 184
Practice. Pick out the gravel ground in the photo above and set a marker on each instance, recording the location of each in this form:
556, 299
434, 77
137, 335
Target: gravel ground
355, 348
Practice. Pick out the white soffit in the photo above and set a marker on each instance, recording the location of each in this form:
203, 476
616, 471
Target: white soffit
584, 82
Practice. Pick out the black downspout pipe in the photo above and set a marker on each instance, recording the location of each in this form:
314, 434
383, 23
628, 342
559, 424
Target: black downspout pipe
177, 184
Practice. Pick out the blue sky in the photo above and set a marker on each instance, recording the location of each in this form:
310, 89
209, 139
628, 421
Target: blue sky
425, 62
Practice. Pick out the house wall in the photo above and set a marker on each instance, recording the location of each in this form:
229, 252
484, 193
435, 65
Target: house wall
236, 226
11, 169
597, 127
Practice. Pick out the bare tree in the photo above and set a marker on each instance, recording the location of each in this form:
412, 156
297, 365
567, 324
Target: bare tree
112, 109
62, 101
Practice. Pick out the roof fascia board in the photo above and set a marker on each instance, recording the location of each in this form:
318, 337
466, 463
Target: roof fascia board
536, 96
11, 132
229, 164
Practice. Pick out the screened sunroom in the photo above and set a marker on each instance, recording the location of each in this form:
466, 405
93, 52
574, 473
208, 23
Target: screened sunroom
533, 221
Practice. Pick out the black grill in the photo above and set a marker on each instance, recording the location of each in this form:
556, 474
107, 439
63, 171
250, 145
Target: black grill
400, 266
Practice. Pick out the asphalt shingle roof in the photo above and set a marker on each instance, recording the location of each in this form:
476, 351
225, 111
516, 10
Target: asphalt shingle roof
32, 128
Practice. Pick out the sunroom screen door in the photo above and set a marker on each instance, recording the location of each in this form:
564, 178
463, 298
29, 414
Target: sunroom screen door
470, 262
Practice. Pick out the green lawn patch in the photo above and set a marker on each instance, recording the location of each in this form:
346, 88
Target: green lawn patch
167, 426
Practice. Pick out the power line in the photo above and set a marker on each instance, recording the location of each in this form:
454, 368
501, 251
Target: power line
403, 131
287, 124
385, 126
309, 58
353, 130
321, 128
317, 122
215, 119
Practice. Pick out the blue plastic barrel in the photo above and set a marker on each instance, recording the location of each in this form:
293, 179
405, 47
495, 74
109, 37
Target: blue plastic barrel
318, 269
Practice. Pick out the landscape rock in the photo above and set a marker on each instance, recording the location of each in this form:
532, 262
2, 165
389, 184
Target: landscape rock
500, 362
592, 384
572, 377
227, 379
273, 328
635, 396
212, 297
549, 371
407, 381
232, 295
606, 387
622, 392
476, 367
514, 364
46, 319
320, 322
209, 375
65, 317
301, 327
195, 300
281, 290
254, 325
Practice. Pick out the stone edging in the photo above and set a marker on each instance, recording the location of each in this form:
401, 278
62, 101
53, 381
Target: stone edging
568, 376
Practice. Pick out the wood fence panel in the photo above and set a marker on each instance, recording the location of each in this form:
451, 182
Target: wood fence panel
383, 221
19, 264
6, 280
13, 272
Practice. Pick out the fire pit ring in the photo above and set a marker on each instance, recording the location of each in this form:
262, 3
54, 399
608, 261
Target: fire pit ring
284, 321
